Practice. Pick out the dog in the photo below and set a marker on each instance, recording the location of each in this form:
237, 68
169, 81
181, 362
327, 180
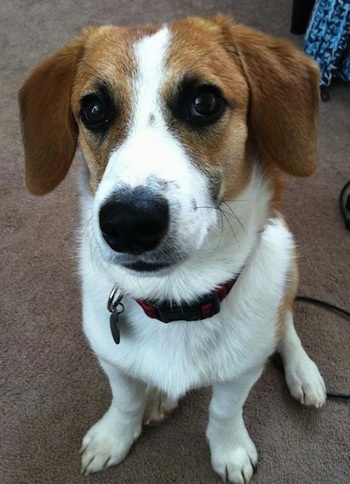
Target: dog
189, 271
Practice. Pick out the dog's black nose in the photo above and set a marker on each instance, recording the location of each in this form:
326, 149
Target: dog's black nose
134, 221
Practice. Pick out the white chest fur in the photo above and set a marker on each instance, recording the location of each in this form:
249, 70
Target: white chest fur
178, 356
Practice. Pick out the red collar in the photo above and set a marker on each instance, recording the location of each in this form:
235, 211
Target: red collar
203, 308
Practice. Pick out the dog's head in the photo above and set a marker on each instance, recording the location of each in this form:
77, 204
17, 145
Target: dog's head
170, 120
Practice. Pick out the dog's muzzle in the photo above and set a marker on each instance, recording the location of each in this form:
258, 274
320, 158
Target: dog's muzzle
134, 221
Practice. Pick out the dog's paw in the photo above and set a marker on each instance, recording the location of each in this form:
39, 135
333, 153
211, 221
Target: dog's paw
305, 382
107, 443
159, 407
235, 462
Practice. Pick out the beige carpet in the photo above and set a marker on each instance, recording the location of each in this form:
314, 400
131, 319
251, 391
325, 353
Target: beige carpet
51, 387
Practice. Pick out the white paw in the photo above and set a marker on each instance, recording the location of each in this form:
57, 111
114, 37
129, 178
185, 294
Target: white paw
234, 462
158, 407
305, 382
107, 442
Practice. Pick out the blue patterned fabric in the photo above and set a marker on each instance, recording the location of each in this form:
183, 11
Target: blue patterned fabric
327, 39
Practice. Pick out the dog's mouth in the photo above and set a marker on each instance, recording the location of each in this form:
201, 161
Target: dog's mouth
158, 262
141, 266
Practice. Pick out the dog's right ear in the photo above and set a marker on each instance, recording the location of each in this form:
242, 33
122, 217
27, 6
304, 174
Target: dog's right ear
284, 99
49, 131
284, 96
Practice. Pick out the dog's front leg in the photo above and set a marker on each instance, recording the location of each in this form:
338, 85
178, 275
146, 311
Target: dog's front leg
233, 454
302, 375
108, 441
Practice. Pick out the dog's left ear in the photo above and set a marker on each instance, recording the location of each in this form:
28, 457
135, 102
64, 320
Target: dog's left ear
284, 97
49, 131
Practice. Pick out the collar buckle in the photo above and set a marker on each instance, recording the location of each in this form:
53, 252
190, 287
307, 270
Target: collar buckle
205, 307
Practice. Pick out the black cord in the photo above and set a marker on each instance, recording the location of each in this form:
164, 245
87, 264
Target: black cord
338, 395
344, 205
324, 304
330, 307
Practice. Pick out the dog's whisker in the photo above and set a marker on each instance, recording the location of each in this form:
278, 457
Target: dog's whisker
229, 224
221, 232
239, 201
227, 214
235, 216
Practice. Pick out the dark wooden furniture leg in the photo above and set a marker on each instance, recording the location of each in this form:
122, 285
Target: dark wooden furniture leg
300, 15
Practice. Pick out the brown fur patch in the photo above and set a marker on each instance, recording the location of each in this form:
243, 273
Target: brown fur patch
48, 129
197, 51
284, 99
287, 301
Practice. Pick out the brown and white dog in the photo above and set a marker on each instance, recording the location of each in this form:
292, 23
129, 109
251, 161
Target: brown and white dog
186, 129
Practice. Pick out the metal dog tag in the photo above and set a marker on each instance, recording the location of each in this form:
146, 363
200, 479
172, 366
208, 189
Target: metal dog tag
115, 307
114, 323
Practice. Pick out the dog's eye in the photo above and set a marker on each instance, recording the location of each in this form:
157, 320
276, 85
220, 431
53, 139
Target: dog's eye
206, 104
198, 105
95, 113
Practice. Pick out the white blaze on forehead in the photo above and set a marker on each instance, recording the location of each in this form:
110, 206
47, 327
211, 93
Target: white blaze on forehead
149, 148
147, 144
150, 55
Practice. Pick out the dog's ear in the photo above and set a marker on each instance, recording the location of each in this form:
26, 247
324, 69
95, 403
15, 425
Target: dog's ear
49, 131
284, 98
